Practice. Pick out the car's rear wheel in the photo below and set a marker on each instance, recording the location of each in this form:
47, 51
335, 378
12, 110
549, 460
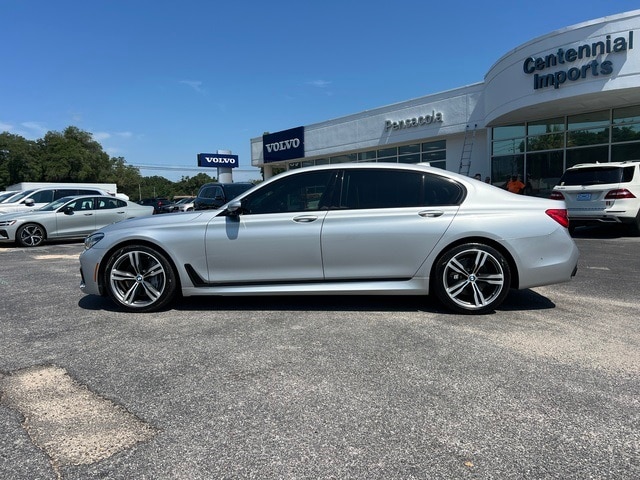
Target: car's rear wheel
140, 279
30, 235
634, 227
472, 278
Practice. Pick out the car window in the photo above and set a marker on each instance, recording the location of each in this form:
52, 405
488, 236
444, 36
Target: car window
44, 196
591, 176
396, 189
233, 190
296, 193
212, 192
109, 203
628, 173
18, 196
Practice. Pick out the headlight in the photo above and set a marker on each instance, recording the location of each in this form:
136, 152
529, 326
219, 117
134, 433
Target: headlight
91, 240
7, 223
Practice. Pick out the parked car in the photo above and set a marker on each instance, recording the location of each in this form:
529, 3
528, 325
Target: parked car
185, 204
214, 195
601, 193
66, 218
156, 203
6, 195
39, 197
365, 229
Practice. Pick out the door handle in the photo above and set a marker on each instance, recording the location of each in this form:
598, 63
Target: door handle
305, 218
431, 213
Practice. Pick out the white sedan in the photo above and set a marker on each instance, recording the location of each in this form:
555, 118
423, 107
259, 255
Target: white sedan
67, 218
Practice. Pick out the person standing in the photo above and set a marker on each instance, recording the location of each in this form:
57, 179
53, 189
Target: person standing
515, 185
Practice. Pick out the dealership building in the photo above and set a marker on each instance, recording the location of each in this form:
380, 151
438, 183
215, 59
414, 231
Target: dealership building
571, 96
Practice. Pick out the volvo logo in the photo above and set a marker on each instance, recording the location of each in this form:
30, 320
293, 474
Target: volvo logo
283, 145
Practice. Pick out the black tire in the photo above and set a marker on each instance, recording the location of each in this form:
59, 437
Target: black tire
472, 278
634, 227
140, 279
31, 235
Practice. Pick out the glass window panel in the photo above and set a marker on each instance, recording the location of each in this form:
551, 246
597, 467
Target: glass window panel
433, 156
588, 120
409, 158
511, 131
625, 133
506, 147
322, 161
587, 155
502, 168
364, 156
543, 172
626, 115
593, 136
628, 151
344, 158
437, 145
546, 126
545, 142
406, 149
308, 163
387, 152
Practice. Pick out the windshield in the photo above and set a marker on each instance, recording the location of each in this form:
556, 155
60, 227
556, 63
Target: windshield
17, 196
592, 176
49, 207
4, 196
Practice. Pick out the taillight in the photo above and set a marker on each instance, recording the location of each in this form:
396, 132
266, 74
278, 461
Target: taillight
618, 194
556, 196
559, 215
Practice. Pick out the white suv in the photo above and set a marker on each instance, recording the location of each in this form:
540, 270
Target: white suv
601, 193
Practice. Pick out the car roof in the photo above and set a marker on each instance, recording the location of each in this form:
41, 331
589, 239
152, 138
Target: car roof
626, 163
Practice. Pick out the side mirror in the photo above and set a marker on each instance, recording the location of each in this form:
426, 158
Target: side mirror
29, 202
68, 210
234, 208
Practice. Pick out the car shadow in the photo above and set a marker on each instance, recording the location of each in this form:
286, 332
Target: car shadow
517, 300
602, 231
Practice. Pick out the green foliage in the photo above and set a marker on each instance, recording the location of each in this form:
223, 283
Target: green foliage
74, 156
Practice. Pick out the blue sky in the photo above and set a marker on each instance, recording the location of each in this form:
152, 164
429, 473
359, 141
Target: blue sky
157, 82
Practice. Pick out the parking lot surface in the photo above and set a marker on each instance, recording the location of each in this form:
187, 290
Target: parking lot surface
548, 386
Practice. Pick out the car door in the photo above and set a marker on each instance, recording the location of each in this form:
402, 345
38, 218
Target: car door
387, 223
276, 237
109, 210
76, 218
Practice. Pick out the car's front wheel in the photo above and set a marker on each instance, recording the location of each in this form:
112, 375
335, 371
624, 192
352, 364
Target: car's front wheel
30, 235
472, 278
140, 279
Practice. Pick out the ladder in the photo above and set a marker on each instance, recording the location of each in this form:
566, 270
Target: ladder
467, 146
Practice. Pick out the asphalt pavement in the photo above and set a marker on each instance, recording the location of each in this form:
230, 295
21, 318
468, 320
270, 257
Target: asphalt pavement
333, 387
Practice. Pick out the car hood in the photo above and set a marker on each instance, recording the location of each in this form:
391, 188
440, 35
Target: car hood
21, 215
155, 220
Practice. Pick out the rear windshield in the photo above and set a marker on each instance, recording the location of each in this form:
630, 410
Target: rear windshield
597, 175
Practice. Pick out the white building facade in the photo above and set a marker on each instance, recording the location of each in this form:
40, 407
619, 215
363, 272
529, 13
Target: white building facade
572, 96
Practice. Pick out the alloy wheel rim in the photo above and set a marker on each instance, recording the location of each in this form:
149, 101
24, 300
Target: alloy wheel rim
137, 279
473, 279
32, 236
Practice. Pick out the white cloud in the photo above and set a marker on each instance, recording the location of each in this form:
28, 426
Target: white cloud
194, 84
36, 128
319, 83
101, 136
5, 127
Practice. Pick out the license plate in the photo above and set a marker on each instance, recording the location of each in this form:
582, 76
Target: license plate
583, 197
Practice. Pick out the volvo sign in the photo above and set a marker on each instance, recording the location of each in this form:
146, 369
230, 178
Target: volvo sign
284, 145
217, 160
